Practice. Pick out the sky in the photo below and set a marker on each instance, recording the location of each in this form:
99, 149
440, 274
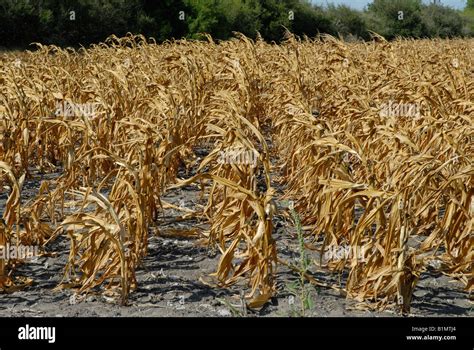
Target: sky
360, 4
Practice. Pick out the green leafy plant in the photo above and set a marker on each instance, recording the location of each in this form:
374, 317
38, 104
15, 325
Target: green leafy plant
300, 288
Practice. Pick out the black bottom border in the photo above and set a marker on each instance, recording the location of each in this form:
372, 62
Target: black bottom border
367, 332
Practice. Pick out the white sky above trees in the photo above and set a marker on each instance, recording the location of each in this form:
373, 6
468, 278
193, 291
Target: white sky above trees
360, 4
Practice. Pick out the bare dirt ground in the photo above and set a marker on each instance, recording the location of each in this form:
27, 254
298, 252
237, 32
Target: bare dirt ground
169, 280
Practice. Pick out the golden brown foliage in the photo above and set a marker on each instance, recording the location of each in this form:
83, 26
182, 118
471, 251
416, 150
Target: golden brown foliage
359, 178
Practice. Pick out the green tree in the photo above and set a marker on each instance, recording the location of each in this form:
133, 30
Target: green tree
204, 17
311, 20
442, 21
392, 18
468, 16
162, 19
18, 18
274, 17
347, 21
241, 16
81, 22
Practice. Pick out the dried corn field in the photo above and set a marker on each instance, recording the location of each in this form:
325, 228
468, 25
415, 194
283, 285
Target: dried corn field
370, 145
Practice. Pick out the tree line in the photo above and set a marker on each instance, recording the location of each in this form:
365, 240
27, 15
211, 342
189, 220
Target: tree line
82, 22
